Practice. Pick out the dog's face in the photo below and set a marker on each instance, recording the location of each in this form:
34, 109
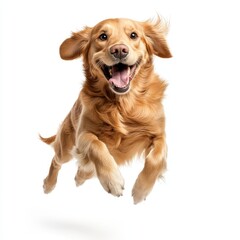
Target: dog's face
115, 51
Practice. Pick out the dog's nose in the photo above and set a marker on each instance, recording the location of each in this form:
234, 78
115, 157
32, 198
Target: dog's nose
119, 51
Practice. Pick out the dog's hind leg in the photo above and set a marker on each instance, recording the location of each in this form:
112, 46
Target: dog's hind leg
51, 180
63, 145
86, 168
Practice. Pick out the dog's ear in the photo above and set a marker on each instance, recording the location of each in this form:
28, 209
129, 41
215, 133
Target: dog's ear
76, 45
155, 33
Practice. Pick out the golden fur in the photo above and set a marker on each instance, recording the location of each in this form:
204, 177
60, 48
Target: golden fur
118, 113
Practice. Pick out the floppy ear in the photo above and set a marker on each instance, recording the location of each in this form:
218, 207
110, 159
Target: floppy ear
155, 33
74, 46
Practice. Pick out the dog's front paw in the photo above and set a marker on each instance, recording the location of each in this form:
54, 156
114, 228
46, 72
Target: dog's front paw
48, 187
112, 182
140, 190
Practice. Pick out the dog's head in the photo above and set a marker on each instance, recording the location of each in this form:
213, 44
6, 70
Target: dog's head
115, 51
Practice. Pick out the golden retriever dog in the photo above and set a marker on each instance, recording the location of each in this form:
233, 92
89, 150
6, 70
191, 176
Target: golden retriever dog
119, 112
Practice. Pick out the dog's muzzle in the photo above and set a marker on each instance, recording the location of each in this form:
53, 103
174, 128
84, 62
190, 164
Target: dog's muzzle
119, 76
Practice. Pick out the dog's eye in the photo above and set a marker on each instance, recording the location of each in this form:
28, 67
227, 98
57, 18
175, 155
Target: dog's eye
133, 35
103, 37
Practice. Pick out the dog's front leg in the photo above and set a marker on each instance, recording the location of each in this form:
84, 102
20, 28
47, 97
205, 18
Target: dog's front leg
90, 147
155, 165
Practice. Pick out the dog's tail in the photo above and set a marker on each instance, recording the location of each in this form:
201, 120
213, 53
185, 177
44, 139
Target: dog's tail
48, 140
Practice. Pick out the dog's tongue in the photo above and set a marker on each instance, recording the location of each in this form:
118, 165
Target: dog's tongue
120, 76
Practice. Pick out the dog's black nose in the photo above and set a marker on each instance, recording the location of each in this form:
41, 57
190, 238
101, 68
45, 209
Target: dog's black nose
119, 51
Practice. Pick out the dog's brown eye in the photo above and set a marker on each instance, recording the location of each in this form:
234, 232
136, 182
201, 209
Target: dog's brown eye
103, 37
133, 35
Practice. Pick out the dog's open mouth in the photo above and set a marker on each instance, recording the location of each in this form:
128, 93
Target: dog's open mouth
119, 76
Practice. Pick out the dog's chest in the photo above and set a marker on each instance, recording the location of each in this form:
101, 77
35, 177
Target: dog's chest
118, 128
119, 139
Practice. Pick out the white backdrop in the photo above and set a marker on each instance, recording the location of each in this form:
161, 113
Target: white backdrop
200, 196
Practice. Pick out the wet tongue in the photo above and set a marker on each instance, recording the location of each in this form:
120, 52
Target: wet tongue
120, 76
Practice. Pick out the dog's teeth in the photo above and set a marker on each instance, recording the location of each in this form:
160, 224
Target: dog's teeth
129, 71
110, 71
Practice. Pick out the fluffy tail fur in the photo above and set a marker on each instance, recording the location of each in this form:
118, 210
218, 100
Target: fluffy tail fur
48, 140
